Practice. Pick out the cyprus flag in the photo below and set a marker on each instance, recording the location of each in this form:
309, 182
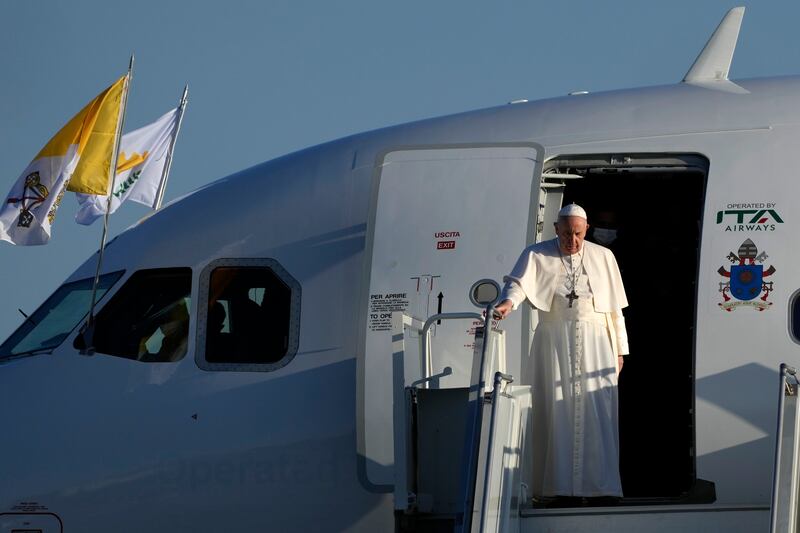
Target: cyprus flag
79, 156
140, 169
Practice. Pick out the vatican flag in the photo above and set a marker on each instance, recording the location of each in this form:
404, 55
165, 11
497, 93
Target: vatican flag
77, 158
140, 169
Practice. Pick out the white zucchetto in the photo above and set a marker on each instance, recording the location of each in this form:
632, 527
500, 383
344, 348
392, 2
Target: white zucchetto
572, 210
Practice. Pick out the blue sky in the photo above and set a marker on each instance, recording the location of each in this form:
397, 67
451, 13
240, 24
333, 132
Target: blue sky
270, 77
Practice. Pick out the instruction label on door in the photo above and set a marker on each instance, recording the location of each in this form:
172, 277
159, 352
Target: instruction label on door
381, 307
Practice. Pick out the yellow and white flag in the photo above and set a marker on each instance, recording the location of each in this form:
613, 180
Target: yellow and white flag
143, 155
77, 158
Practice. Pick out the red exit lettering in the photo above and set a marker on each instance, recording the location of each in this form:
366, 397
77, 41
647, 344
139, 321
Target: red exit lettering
445, 245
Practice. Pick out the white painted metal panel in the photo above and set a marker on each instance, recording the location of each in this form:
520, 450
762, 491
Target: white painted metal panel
438, 227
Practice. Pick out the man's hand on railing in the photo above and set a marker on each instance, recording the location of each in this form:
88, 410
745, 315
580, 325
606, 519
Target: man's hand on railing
502, 309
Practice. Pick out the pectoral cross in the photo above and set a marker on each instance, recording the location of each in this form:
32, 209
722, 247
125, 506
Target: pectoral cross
571, 297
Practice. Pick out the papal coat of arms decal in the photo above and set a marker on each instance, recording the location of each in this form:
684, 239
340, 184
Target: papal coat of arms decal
746, 286
33, 195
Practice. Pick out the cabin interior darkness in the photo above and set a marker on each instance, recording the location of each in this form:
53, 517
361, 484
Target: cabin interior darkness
655, 203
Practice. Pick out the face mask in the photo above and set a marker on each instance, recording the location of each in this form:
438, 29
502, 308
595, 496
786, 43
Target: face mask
605, 236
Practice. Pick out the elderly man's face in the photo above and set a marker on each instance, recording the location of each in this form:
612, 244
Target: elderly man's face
571, 232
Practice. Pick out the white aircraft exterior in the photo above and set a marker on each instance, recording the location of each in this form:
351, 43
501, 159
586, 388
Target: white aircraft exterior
296, 422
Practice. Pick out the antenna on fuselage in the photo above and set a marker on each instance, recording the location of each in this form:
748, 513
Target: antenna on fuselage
711, 68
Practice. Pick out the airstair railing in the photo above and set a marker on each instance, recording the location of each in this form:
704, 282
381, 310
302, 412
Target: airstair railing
484, 294
401, 322
476, 400
784, 508
500, 382
425, 337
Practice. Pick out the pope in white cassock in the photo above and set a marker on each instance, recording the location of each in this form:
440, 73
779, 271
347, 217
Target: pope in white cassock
576, 355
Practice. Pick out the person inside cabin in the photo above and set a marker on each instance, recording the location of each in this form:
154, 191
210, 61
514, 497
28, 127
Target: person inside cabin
215, 342
576, 355
604, 228
172, 321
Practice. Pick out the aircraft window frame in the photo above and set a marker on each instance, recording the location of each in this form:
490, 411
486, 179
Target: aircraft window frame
203, 297
156, 316
46, 307
793, 324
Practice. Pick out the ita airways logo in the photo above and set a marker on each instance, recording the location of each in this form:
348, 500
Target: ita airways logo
759, 216
746, 285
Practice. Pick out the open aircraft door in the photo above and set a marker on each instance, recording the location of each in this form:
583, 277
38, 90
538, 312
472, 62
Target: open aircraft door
437, 224
551, 198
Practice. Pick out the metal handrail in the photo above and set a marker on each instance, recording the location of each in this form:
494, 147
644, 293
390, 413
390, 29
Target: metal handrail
425, 358
426, 363
499, 380
785, 370
475, 430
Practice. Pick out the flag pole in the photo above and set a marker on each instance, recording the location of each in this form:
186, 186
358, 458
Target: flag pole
89, 330
162, 186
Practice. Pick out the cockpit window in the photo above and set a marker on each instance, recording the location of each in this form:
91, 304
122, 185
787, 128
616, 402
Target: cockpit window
794, 317
148, 317
249, 315
55, 319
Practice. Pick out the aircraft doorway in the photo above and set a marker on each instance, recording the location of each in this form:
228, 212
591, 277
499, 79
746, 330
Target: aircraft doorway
648, 209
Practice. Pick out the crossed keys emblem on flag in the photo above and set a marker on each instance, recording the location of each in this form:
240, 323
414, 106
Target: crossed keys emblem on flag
33, 195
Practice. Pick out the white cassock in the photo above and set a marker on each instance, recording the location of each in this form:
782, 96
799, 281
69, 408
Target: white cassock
574, 359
